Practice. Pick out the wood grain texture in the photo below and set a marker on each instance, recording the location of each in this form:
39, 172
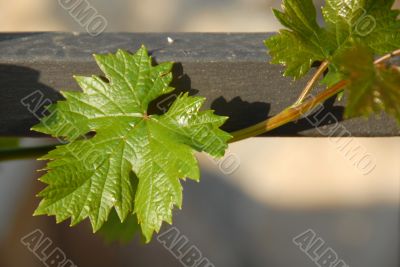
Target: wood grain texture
230, 70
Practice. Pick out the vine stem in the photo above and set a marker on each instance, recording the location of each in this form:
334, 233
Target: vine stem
388, 57
310, 84
288, 115
298, 109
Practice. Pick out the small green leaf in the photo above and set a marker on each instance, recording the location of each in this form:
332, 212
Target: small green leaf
297, 61
304, 42
371, 22
91, 175
370, 88
332, 77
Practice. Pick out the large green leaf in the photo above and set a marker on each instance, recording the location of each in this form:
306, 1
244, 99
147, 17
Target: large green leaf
91, 175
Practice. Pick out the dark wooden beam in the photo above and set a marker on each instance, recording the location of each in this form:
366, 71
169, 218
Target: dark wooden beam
231, 70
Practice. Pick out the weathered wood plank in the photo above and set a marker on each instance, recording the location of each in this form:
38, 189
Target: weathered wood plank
231, 70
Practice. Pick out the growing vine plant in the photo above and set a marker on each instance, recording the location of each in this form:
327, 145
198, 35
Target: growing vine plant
121, 166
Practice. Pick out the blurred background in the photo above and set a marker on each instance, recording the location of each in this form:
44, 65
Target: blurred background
238, 217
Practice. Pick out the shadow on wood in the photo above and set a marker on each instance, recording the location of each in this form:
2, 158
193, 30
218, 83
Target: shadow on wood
16, 84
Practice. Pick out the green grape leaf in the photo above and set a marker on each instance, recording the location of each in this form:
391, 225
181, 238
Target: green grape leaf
371, 88
113, 141
304, 42
371, 22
